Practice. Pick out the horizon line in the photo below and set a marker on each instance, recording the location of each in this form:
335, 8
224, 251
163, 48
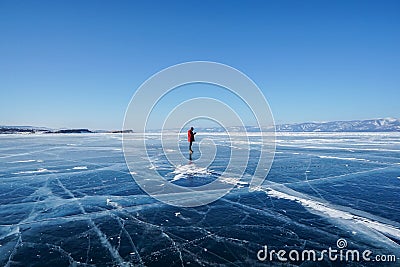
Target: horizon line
121, 129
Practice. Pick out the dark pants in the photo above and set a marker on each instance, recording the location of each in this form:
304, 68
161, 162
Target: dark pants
190, 145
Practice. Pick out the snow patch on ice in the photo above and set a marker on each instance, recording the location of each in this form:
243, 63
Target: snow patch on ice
335, 213
341, 158
26, 161
80, 168
233, 181
181, 171
23, 161
114, 204
40, 170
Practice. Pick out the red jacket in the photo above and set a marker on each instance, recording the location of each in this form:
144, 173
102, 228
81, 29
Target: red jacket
190, 136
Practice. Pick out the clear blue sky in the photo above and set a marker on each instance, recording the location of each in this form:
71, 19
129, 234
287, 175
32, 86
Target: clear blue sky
77, 63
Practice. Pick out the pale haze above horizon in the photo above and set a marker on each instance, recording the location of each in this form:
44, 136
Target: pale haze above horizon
76, 64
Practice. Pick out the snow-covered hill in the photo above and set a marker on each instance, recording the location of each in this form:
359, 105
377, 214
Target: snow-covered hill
372, 125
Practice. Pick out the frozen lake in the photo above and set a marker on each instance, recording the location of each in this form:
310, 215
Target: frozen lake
71, 200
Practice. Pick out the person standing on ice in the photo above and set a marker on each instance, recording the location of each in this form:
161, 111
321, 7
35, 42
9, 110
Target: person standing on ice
191, 139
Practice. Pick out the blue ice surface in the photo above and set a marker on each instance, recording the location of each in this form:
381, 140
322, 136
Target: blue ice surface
70, 200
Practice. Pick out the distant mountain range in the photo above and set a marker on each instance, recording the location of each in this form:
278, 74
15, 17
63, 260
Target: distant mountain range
372, 125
